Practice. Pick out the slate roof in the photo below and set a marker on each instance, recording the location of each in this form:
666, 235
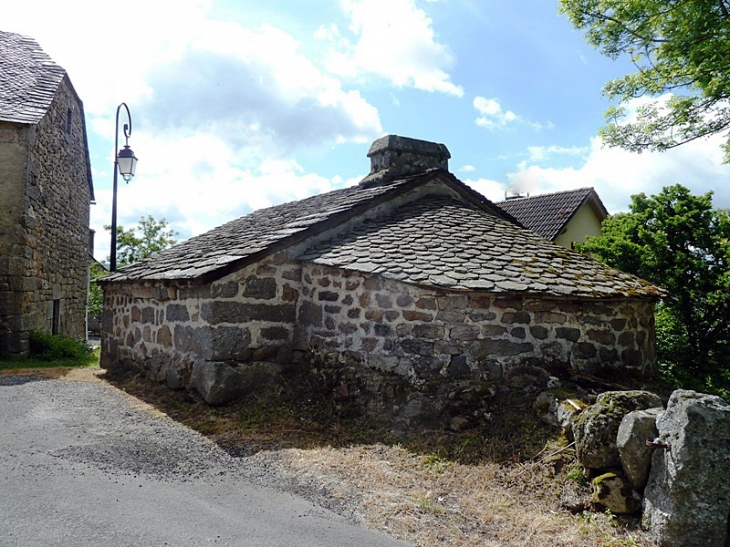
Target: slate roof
436, 240
443, 242
548, 214
28, 79
261, 232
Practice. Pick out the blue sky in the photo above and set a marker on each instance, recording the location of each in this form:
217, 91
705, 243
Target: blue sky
238, 105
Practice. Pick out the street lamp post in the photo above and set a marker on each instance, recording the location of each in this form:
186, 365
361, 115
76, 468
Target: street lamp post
125, 162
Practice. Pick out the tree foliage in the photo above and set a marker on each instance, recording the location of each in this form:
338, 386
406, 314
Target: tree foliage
147, 238
680, 47
679, 242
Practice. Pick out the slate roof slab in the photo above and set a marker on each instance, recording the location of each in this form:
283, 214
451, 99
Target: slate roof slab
549, 214
437, 240
443, 242
28, 79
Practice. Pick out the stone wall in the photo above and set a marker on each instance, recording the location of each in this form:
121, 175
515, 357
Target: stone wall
163, 330
279, 309
44, 259
422, 335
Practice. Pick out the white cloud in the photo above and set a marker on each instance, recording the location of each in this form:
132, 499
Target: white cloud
492, 116
539, 153
468, 169
617, 174
491, 189
393, 39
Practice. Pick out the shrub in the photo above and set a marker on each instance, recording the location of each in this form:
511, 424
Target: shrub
49, 347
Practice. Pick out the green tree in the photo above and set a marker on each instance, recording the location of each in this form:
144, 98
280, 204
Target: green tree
678, 46
679, 242
147, 238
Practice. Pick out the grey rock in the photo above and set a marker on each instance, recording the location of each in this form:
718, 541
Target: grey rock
635, 429
218, 382
687, 498
596, 428
614, 492
558, 408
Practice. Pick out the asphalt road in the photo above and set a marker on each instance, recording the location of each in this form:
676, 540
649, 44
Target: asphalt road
81, 464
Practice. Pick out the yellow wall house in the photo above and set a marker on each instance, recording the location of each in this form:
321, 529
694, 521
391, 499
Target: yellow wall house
566, 218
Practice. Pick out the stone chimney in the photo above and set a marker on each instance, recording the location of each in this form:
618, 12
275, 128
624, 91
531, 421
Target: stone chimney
393, 156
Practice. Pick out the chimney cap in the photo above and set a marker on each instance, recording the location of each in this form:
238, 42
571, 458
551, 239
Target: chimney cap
396, 143
393, 156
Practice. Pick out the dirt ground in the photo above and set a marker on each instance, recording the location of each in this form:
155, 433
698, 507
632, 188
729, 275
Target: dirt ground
516, 486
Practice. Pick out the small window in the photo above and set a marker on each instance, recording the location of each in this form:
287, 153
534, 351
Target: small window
69, 122
56, 319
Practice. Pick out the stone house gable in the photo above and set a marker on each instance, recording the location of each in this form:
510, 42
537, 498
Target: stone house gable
46, 188
409, 275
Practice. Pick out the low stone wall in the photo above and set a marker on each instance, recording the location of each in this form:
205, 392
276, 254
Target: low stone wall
163, 330
423, 335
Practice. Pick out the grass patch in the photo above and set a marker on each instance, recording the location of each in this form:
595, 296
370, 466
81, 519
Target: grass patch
49, 351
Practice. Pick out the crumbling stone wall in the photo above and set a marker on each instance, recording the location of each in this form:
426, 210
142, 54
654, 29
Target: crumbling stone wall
424, 335
44, 226
281, 310
163, 330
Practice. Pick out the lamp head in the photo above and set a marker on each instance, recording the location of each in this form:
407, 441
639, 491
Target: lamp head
127, 162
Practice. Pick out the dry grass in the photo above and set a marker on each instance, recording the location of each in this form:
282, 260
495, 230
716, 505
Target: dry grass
506, 482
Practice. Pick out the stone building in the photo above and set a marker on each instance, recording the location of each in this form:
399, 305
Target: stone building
410, 275
45, 193
565, 218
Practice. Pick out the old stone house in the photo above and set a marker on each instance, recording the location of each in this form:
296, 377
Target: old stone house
45, 193
565, 218
410, 274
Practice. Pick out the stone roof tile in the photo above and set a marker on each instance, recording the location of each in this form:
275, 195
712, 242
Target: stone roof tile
28, 79
428, 237
260, 231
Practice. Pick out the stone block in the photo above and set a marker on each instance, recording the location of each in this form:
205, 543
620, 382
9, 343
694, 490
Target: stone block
613, 491
417, 347
635, 429
426, 303
428, 331
310, 314
567, 333
228, 289
508, 304
410, 315
539, 332
177, 313
485, 349
519, 317
260, 288
687, 498
328, 296
219, 383
464, 332
605, 337
596, 428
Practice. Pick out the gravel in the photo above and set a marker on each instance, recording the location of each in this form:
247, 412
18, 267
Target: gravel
107, 431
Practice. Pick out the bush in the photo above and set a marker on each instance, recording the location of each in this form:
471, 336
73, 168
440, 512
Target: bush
49, 347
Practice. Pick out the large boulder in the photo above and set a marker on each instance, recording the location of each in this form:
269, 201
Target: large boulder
635, 429
687, 498
219, 382
595, 429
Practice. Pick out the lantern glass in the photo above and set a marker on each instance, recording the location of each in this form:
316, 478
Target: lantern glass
127, 162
